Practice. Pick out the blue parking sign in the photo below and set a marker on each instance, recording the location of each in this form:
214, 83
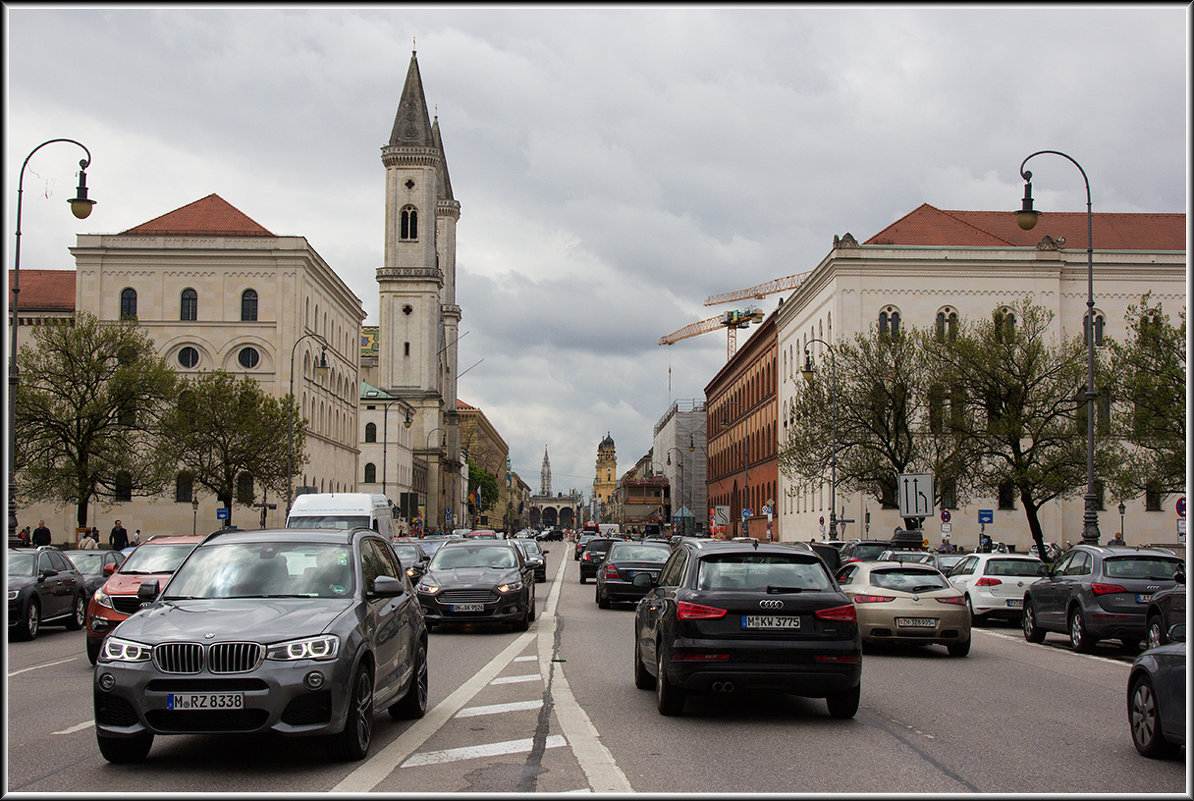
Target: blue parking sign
986, 515
222, 514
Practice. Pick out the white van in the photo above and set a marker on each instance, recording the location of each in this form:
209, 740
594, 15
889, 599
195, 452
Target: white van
342, 510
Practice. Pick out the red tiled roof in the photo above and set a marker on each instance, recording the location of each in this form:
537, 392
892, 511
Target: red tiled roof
933, 227
45, 290
209, 216
462, 405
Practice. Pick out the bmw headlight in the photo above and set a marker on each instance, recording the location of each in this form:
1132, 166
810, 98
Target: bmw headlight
325, 646
118, 650
12, 594
512, 586
103, 599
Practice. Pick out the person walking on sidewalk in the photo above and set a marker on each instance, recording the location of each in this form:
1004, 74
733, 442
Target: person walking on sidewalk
119, 538
41, 534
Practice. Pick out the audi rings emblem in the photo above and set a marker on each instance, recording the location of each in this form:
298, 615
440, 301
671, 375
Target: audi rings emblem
771, 604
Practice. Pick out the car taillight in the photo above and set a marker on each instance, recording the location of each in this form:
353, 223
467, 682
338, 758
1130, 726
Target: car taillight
872, 599
840, 612
953, 599
611, 572
986, 581
1104, 589
584, 557
687, 611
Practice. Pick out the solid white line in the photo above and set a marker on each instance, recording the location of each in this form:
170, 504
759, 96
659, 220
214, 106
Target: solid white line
495, 709
516, 679
475, 751
526, 658
39, 667
1014, 638
78, 727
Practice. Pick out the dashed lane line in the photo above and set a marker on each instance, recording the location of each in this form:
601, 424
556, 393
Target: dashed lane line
497, 709
475, 751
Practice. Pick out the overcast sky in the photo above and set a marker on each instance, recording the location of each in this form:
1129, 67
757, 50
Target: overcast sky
614, 165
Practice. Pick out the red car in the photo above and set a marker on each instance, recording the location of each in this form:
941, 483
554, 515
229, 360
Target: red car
156, 558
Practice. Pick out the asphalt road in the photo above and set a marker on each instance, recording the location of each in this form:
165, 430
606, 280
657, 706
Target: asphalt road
555, 710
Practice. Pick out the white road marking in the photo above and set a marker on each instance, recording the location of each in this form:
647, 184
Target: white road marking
496, 709
78, 727
526, 658
39, 667
517, 679
475, 751
1014, 638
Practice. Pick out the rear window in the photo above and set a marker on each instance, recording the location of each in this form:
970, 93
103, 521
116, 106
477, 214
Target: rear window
1141, 567
908, 579
1015, 567
758, 571
639, 553
599, 545
329, 521
862, 551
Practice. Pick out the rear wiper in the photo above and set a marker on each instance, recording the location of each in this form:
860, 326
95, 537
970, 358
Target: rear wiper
772, 589
927, 587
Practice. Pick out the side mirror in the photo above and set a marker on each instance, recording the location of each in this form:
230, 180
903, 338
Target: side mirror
49, 572
1179, 576
546, 552
109, 569
1177, 632
148, 590
643, 580
386, 585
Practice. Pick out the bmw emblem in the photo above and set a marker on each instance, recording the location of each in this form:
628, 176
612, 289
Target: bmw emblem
209, 635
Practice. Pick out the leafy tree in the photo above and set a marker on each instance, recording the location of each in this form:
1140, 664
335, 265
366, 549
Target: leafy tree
224, 429
1149, 373
89, 413
486, 482
1020, 420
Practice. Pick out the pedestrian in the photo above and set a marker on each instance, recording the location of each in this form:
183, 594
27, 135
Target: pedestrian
41, 534
86, 543
119, 538
137, 537
23, 536
1119, 539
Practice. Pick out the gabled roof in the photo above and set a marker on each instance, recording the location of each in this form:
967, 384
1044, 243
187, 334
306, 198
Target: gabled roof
929, 226
45, 290
209, 216
412, 124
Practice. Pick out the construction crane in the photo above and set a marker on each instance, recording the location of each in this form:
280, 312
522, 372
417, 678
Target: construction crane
731, 321
759, 291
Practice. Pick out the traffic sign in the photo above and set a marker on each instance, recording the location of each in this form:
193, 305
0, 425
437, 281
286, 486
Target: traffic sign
944, 515
946, 528
747, 514
767, 510
986, 516
222, 513
1181, 506
916, 494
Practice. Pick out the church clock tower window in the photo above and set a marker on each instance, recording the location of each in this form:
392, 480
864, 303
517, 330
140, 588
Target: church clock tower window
408, 228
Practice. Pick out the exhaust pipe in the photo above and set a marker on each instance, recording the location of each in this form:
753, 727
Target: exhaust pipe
723, 686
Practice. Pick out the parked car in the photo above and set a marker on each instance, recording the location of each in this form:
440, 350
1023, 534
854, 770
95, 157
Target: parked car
414, 559
1166, 608
906, 602
863, 550
294, 631
625, 560
994, 583
830, 554
1098, 592
593, 554
919, 557
536, 557
1052, 551
95, 566
156, 558
1157, 697
478, 580
730, 617
946, 561
44, 588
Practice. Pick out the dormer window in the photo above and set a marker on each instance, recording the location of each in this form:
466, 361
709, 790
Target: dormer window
408, 228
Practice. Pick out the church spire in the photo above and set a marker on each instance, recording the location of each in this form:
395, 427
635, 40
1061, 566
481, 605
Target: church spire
545, 475
412, 124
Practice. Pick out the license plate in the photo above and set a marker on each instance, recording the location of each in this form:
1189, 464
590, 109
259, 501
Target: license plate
205, 700
468, 607
917, 622
770, 622
1143, 598
1018, 603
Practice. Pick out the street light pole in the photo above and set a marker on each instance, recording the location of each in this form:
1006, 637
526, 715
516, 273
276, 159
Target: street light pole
439, 471
195, 512
807, 372
321, 370
1027, 218
80, 206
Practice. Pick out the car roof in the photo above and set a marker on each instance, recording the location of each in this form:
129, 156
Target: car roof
711, 546
337, 535
173, 539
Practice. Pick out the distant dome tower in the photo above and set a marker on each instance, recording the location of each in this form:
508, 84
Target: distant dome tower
545, 475
607, 470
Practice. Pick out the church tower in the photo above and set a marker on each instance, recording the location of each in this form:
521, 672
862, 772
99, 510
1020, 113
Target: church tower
545, 475
606, 480
418, 315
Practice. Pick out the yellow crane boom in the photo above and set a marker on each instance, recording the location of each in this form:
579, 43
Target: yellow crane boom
760, 290
731, 321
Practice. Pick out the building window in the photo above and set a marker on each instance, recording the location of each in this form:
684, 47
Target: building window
1007, 495
1152, 499
371, 432
188, 357
889, 322
370, 473
248, 358
405, 348
248, 305
949, 493
1005, 325
184, 487
947, 325
408, 223
124, 487
244, 488
128, 304
190, 305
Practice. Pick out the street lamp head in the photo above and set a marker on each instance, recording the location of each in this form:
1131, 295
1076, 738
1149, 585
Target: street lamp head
1027, 216
321, 369
1122, 508
80, 205
691, 444
195, 503
807, 371
407, 422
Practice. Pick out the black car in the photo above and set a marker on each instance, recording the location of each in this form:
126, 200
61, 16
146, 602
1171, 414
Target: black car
729, 617
1157, 697
535, 555
96, 566
624, 561
1166, 608
414, 559
1097, 592
43, 588
593, 554
581, 542
299, 632
551, 535
478, 581
863, 550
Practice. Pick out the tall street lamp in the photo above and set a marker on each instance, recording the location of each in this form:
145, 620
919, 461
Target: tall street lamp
808, 371
195, 515
1027, 218
439, 471
80, 206
1122, 509
321, 370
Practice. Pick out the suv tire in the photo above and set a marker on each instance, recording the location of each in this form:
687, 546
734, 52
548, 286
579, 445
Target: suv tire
1080, 639
1032, 632
414, 703
352, 742
120, 750
845, 703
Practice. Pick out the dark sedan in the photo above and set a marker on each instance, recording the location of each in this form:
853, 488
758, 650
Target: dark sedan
535, 555
729, 617
414, 559
478, 581
292, 631
95, 566
1157, 697
582, 541
593, 555
43, 588
1166, 608
625, 560
1097, 592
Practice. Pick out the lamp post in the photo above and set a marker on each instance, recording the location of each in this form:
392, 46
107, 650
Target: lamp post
80, 206
434, 515
808, 371
321, 370
1122, 509
1027, 218
195, 513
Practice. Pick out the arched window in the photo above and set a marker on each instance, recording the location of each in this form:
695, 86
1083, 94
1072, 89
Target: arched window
1005, 324
889, 322
370, 473
947, 325
248, 305
124, 487
128, 304
408, 224
184, 487
190, 305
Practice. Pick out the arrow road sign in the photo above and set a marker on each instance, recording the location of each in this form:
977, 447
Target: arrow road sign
986, 515
916, 494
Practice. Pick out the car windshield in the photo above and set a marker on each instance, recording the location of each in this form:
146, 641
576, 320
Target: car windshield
908, 579
149, 558
626, 552
1015, 567
865, 551
265, 569
430, 546
89, 563
20, 564
1141, 567
758, 571
328, 521
409, 553
494, 556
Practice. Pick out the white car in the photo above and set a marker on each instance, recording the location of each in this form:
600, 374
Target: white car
994, 583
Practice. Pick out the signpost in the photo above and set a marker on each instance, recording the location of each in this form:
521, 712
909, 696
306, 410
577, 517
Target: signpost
915, 494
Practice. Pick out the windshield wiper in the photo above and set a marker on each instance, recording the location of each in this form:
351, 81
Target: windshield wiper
772, 589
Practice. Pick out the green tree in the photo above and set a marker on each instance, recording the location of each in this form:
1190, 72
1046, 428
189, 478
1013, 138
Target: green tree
486, 482
228, 433
1149, 375
89, 412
